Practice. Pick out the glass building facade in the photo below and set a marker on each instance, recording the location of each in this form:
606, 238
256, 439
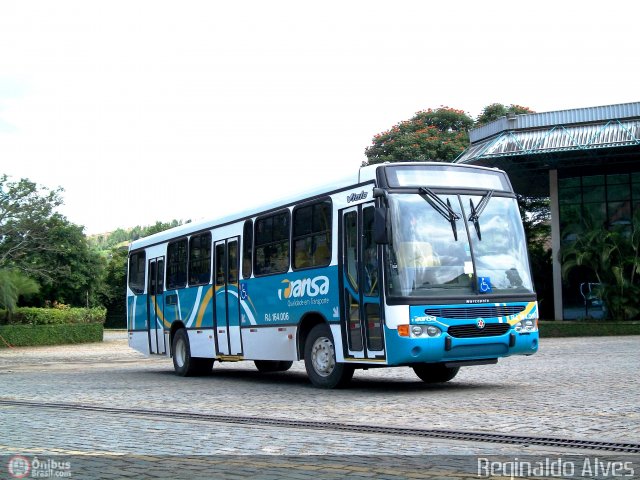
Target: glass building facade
587, 161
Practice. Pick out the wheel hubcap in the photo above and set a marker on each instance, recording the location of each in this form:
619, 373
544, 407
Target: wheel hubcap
323, 356
180, 353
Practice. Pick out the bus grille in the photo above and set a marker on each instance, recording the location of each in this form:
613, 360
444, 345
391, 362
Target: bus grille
469, 331
471, 313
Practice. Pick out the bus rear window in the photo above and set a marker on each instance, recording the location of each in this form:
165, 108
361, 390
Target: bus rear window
136, 272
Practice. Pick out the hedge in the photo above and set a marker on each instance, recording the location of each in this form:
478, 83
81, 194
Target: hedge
53, 316
30, 335
587, 329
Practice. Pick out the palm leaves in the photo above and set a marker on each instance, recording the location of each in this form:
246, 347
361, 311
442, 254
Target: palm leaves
613, 256
13, 284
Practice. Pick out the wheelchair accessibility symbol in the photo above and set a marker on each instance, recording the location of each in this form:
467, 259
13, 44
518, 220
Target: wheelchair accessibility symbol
243, 291
484, 284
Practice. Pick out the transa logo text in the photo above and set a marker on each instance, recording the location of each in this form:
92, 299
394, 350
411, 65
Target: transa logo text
310, 287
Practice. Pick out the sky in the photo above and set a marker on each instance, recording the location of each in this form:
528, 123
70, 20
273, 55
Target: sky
155, 110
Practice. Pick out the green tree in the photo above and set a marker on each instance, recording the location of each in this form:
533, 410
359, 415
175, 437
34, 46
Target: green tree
496, 110
25, 209
442, 135
430, 135
113, 287
75, 267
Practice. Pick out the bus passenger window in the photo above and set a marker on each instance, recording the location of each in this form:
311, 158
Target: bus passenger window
177, 264
247, 248
312, 235
233, 262
272, 244
200, 259
220, 264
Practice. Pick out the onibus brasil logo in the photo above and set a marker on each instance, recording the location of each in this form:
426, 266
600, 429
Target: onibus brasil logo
310, 287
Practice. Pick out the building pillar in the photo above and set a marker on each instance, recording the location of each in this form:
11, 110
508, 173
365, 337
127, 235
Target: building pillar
555, 244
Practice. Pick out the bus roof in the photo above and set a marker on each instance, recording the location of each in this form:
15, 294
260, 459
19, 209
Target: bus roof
365, 174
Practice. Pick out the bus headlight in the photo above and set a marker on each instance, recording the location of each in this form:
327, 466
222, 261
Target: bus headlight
433, 331
525, 326
425, 331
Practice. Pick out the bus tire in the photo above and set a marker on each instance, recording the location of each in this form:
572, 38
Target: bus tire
183, 363
320, 360
435, 372
269, 366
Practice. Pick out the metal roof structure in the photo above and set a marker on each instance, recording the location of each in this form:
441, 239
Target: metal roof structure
528, 146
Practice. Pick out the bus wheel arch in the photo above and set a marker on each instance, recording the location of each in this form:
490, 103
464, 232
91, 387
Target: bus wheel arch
307, 323
175, 326
320, 361
184, 363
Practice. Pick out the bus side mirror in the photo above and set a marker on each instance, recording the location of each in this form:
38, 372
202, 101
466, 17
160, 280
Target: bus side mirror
380, 230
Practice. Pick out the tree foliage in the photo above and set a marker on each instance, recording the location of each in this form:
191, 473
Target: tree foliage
25, 209
496, 110
430, 135
44, 245
120, 236
76, 268
441, 135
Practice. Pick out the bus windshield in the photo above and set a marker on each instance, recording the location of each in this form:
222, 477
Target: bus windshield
438, 248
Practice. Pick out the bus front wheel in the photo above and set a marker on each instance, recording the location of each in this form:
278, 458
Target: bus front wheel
320, 360
435, 372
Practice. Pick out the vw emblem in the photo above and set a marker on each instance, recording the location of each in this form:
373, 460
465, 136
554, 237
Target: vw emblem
480, 323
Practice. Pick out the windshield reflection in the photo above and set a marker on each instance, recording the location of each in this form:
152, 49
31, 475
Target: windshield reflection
501, 251
425, 259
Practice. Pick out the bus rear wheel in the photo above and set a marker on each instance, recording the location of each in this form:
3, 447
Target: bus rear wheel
320, 360
183, 363
435, 372
269, 366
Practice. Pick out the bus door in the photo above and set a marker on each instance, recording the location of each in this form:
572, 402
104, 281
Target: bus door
156, 306
227, 318
360, 285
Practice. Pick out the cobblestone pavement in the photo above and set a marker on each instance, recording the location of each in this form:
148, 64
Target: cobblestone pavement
584, 388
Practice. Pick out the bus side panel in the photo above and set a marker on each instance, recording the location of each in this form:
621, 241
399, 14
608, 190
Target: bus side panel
282, 301
137, 313
192, 306
137, 323
285, 299
201, 343
270, 343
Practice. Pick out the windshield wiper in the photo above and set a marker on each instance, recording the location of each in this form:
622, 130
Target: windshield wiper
442, 208
477, 211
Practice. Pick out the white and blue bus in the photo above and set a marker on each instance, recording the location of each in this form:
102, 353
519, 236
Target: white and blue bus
407, 264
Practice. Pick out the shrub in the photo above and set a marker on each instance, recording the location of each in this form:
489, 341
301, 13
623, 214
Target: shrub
53, 316
30, 335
